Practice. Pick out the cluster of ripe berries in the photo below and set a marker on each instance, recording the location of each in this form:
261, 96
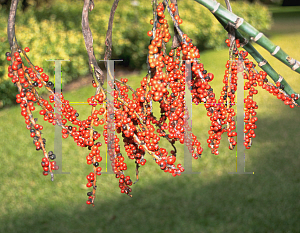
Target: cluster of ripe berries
26, 79
133, 117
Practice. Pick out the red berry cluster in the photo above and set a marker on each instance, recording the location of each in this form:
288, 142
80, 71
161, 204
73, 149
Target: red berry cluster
237, 43
27, 79
277, 90
132, 116
167, 87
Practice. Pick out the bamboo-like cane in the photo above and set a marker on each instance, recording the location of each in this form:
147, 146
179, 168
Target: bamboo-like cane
262, 63
218, 10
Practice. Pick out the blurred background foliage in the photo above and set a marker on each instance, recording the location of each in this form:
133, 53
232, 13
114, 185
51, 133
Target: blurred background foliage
52, 30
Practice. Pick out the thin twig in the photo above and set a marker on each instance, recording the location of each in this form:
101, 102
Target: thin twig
11, 22
88, 39
108, 39
176, 38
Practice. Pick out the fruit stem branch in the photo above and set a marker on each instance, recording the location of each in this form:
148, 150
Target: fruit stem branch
11, 23
88, 39
176, 25
176, 38
108, 40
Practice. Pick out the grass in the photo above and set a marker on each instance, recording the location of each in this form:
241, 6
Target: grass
213, 201
286, 20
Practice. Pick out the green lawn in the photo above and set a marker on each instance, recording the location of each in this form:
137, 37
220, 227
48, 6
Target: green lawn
286, 20
213, 201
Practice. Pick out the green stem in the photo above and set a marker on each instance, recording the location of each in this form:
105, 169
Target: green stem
258, 37
260, 60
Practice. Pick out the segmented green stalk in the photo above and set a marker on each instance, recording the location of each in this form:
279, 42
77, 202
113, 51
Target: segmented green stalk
265, 66
239, 23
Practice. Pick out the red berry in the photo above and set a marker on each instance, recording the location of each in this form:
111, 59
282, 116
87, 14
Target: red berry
171, 159
45, 173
